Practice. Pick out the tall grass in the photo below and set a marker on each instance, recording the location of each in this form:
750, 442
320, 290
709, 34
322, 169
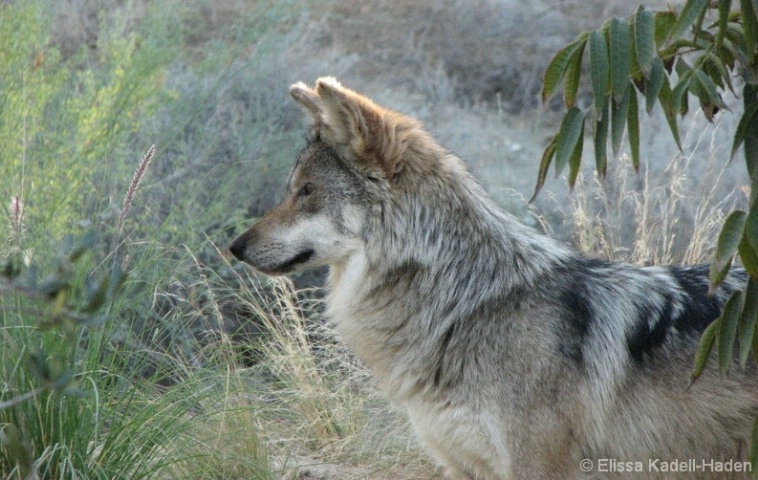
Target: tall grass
91, 394
673, 218
315, 403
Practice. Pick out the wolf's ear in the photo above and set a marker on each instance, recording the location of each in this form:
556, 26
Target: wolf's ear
376, 137
308, 100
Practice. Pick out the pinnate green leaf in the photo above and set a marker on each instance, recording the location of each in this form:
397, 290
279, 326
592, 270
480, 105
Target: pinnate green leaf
653, 84
664, 97
556, 70
724, 8
620, 37
600, 140
726, 246
664, 22
547, 158
749, 120
727, 334
619, 114
569, 135
572, 77
691, 11
707, 340
633, 126
644, 39
599, 69
575, 160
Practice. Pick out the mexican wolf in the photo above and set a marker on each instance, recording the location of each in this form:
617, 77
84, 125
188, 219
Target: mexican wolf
515, 357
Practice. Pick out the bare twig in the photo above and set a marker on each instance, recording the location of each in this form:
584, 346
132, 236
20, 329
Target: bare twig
22, 398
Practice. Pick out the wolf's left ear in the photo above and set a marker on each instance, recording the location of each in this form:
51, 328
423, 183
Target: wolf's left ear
376, 137
308, 100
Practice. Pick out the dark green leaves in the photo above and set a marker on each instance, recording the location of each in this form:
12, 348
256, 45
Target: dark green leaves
633, 126
727, 334
611, 56
707, 340
750, 134
710, 99
749, 121
620, 40
726, 247
653, 84
723, 333
569, 137
663, 23
619, 112
547, 157
691, 11
748, 255
557, 69
599, 68
668, 57
644, 39
665, 98
600, 140
724, 7
638, 55
750, 27
751, 229
572, 77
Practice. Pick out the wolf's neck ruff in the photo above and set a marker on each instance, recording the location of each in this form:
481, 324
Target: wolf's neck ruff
433, 233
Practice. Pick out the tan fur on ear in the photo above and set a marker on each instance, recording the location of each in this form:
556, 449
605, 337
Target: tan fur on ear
308, 100
376, 136
372, 136
342, 110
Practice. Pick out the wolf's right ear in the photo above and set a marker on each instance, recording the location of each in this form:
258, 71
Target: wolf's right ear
308, 100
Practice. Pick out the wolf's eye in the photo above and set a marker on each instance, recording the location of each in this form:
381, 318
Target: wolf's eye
305, 190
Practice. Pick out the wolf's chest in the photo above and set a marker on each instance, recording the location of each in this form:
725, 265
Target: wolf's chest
461, 439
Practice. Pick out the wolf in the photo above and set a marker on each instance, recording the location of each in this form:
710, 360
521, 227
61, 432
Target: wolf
514, 356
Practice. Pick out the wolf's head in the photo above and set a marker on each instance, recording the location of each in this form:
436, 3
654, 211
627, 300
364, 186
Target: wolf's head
357, 153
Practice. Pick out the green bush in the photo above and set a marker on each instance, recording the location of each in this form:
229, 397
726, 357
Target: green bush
66, 126
100, 384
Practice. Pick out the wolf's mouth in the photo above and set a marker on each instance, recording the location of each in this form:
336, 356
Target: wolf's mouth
301, 257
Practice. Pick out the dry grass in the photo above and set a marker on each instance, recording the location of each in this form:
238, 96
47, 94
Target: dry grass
305, 409
317, 407
672, 216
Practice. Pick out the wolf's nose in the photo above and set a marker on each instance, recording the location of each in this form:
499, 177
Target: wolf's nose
238, 247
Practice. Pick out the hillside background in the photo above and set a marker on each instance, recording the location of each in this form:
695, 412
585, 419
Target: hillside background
87, 86
470, 70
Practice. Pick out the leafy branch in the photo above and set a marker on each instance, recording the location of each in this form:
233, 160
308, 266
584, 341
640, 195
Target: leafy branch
662, 57
706, 50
